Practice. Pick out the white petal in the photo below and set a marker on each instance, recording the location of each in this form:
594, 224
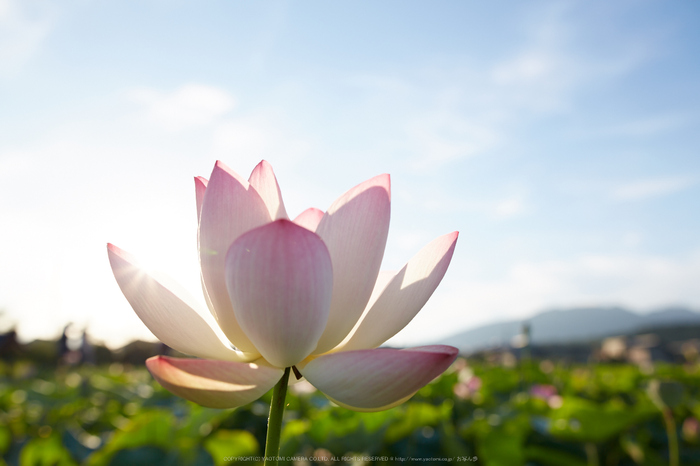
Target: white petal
309, 219
355, 229
377, 379
265, 183
168, 311
214, 384
200, 186
404, 296
229, 209
280, 280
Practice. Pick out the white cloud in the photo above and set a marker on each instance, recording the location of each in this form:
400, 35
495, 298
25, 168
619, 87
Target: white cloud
500, 205
644, 127
473, 108
509, 207
445, 136
409, 240
190, 106
548, 71
382, 84
653, 187
537, 81
649, 126
14, 164
265, 135
523, 68
24, 25
632, 239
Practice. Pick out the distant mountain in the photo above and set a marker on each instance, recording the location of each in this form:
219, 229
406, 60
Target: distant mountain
571, 325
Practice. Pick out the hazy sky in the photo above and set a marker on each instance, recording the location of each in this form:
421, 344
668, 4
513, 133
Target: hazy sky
560, 138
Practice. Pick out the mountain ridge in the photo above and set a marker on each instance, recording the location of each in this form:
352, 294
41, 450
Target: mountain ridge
570, 325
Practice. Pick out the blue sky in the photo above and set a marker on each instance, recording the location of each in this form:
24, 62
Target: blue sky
560, 138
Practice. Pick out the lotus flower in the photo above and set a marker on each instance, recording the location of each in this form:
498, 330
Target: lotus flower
306, 294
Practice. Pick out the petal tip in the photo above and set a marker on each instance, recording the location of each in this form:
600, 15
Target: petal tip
119, 252
310, 218
220, 167
154, 361
159, 366
448, 240
451, 238
383, 180
444, 349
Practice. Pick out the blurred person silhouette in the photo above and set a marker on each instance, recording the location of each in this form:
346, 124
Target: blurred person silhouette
87, 350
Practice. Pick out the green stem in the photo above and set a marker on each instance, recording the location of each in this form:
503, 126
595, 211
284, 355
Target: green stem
672, 437
591, 454
274, 422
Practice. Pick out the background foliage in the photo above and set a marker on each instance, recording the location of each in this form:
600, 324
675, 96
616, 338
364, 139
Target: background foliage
493, 411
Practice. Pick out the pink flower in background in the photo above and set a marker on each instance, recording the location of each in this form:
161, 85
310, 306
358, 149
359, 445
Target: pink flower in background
465, 389
305, 293
547, 393
691, 429
543, 392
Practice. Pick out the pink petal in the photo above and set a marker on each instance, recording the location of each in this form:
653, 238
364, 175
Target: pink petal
210, 306
214, 384
229, 209
309, 218
377, 379
355, 229
280, 280
200, 185
168, 312
404, 296
383, 279
265, 183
